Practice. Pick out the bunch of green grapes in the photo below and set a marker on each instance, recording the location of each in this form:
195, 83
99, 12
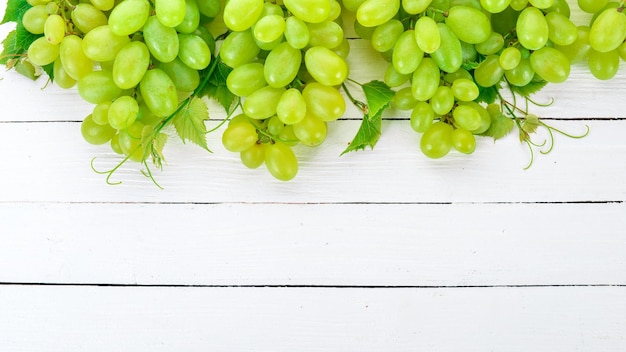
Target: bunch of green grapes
443, 54
288, 62
132, 59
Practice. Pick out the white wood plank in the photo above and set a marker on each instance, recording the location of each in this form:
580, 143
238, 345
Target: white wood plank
51, 162
68, 319
309, 244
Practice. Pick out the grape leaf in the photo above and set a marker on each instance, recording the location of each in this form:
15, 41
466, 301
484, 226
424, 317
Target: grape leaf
189, 122
26, 69
487, 94
378, 96
15, 10
156, 145
216, 87
501, 125
529, 124
529, 89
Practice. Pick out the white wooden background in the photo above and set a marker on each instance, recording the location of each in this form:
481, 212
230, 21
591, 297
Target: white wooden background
380, 250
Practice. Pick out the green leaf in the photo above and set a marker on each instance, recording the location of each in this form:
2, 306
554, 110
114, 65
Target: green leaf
368, 134
530, 123
487, 94
216, 87
529, 89
501, 125
49, 70
378, 96
156, 145
15, 10
189, 122
26, 69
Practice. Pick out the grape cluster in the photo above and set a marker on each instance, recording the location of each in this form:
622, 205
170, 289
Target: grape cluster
445, 55
288, 62
132, 59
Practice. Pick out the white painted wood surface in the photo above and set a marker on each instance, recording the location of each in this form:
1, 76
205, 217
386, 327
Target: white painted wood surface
380, 250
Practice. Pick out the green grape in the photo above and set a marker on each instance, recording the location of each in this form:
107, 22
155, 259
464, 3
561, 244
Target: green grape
450, 77
393, 78
246, 79
622, 51
436, 142
495, 6
131, 64
422, 117
376, 12
75, 63
562, 30
262, 103
485, 117
425, 79
162, 41
100, 113
291, 107
510, 58
311, 131
184, 77
54, 29
406, 55
130, 141
592, 6
463, 141
123, 112
170, 13
269, 28
282, 65
469, 24
193, 51
362, 31
504, 22
551, 64
492, 45
541, 4
280, 161
210, 8
206, 35
296, 32
414, 7
469, 53
442, 101
191, 21
352, 5
239, 136
328, 34
579, 49
325, 66
466, 116
343, 49
560, 6
603, 65
115, 144
335, 12
427, 34
403, 99
312, 11
465, 89
521, 75
101, 45
94, 133
240, 15
532, 29
323, 102
489, 72
34, 19
384, 37
97, 87
239, 48
265, 47
52, 7
254, 156
274, 125
103, 5
61, 78
129, 16
449, 56
41, 52
158, 92
287, 136
146, 116
86, 17
271, 9
608, 31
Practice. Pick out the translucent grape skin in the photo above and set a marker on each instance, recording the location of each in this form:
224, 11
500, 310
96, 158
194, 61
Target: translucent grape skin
280, 161
239, 136
94, 133
436, 142
325, 66
469, 24
532, 29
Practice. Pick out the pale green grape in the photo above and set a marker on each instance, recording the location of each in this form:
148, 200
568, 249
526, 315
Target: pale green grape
466, 116
343, 49
495, 6
254, 156
291, 107
562, 30
75, 63
239, 136
450, 77
184, 77
485, 117
403, 99
61, 78
129, 16
510, 58
86, 17
603, 65
280, 161
131, 64
493, 44
262, 103
54, 29
469, 24
622, 51
384, 37
352, 5
323, 102
313, 11
130, 141
413, 7
325, 66
269, 28
162, 41
94, 133
463, 141
436, 142
541, 4
592, 6
103, 5
427, 34
532, 28
170, 13
240, 15
393, 78
560, 6
579, 49
608, 31
287, 136
34, 19
425, 79
422, 117
521, 75
328, 34
406, 55
489, 72
449, 56
274, 125
519, 5
101, 45
282, 65
376, 12
210, 8
193, 51
442, 101
239, 48
551, 64
246, 79
100, 113
465, 89
123, 112
97, 87
191, 21
296, 32
41, 52
311, 131
115, 144
158, 92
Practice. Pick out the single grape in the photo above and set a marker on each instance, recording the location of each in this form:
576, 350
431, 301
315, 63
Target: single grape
592, 6
170, 13
465, 89
254, 156
603, 65
323, 102
328, 34
103, 5
393, 78
101, 45
75, 63
246, 79
384, 37
406, 56
608, 31
414, 7
131, 64
325, 66
239, 48
122, 112
492, 45
422, 117
98, 86
425, 79
262, 103
269, 28
541, 4
403, 99
427, 34
100, 113
210, 8
495, 6
489, 72
184, 77
466, 116
94, 133
463, 141
280, 161
296, 32
282, 65
469, 24
193, 51
436, 142
521, 75
129, 16
532, 28
292, 107
162, 41
510, 58
449, 56
442, 101
239, 136
34, 19
376, 12
551, 64
191, 21
86, 17
562, 30
61, 78
311, 131
312, 11
54, 29
158, 92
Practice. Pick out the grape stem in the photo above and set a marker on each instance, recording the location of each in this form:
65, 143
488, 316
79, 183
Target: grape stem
359, 104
